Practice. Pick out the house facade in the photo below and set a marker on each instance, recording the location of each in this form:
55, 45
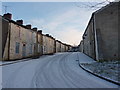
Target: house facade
22, 41
100, 39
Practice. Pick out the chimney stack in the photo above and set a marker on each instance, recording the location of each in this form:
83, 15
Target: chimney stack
20, 22
34, 29
40, 31
8, 16
28, 26
48, 35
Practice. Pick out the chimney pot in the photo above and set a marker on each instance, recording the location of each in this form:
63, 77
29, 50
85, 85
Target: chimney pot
40, 31
20, 22
35, 29
28, 26
8, 16
47, 35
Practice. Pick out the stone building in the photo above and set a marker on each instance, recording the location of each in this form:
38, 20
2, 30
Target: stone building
19, 41
58, 46
1, 50
88, 43
48, 44
81, 46
100, 39
22, 41
62, 47
40, 42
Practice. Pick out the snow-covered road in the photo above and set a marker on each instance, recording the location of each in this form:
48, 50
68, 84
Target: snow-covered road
56, 71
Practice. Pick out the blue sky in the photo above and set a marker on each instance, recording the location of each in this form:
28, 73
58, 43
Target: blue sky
63, 20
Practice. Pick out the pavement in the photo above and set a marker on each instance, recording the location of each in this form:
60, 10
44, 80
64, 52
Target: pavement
88, 60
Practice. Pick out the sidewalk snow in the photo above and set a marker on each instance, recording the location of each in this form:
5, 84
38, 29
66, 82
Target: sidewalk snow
106, 69
84, 58
21, 60
55, 71
10, 62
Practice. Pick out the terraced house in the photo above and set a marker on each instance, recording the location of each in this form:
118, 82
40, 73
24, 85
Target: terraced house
100, 39
18, 41
21, 41
48, 44
58, 46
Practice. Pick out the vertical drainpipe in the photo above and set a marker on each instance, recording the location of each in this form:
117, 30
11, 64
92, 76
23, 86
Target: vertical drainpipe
93, 32
60, 47
118, 30
83, 46
54, 46
42, 43
1, 46
36, 44
96, 40
9, 34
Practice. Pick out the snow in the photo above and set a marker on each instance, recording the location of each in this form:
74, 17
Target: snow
0, 62
105, 69
84, 58
8, 62
56, 71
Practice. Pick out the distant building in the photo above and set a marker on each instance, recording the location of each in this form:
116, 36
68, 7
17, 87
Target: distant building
58, 46
48, 44
80, 47
40, 42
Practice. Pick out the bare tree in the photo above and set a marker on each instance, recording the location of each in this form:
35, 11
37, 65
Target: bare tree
92, 5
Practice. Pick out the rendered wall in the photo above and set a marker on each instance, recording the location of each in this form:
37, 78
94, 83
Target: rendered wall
106, 22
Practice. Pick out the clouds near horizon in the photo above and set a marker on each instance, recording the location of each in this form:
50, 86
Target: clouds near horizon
64, 21
67, 26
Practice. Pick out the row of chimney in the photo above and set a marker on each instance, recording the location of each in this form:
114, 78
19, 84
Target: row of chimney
9, 16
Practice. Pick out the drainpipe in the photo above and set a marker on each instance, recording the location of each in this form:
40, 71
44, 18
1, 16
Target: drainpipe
9, 34
37, 45
96, 40
41, 44
54, 46
1, 47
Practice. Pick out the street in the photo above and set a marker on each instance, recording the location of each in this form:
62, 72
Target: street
60, 70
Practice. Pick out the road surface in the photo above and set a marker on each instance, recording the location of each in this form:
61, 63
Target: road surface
56, 71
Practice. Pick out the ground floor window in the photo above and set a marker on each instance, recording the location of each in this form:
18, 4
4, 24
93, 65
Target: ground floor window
31, 48
17, 47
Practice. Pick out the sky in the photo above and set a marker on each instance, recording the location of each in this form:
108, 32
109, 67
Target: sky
65, 21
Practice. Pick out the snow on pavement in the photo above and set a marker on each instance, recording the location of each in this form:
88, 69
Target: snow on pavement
84, 58
56, 71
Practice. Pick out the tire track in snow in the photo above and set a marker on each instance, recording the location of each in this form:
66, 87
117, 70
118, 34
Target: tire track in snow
56, 71
48, 72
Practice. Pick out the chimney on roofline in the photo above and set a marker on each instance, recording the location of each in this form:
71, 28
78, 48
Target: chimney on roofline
28, 26
48, 35
40, 31
8, 16
19, 22
34, 29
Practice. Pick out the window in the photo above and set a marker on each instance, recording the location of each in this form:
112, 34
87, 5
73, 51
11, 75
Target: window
17, 47
39, 48
31, 49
